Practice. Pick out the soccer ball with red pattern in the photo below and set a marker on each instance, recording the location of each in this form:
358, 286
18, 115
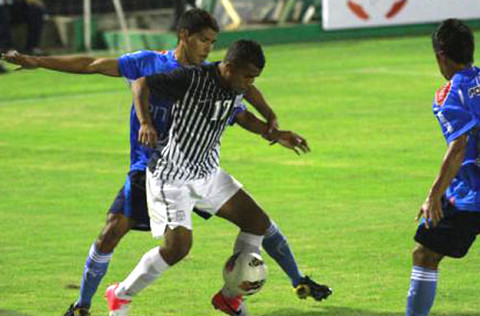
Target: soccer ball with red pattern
245, 273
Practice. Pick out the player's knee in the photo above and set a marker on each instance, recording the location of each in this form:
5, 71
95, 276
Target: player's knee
112, 233
256, 223
264, 224
424, 257
260, 225
174, 253
178, 243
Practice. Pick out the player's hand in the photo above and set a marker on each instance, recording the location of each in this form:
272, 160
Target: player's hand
14, 57
431, 209
147, 135
291, 141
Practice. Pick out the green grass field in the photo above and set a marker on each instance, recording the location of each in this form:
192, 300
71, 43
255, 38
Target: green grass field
347, 207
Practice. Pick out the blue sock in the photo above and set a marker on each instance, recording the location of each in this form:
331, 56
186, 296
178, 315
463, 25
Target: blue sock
276, 245
95, 269
423, 284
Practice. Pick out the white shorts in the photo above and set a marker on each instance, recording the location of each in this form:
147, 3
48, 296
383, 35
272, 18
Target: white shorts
170, 203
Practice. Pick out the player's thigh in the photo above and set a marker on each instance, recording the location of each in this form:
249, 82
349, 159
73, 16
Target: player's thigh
177, 244
242, 210
214, 191
169, 205
425, 257
131, 202
136, 207
453, 235
223, 195
116, 226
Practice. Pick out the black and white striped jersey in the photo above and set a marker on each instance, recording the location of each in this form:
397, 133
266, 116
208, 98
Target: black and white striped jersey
201, 110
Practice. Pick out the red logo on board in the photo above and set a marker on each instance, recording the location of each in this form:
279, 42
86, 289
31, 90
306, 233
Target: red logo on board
361, 13
442, 93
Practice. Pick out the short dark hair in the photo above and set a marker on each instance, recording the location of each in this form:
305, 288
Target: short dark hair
455, 39
244, 52
196, 20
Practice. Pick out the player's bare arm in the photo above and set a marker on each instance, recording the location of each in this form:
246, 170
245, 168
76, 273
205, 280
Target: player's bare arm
147, 135
70, 64
288, 139
256, 99
431, 209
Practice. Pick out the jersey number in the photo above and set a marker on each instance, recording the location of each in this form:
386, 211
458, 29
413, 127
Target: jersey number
219, 106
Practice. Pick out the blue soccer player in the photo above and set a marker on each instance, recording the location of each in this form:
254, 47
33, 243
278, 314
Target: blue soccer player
451, 210
197, 32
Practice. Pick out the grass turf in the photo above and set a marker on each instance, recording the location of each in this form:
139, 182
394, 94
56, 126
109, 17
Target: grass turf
347, 207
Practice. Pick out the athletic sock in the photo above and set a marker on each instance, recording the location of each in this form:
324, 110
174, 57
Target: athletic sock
421, 295
277, 247
247, 242
94, 270
147, 270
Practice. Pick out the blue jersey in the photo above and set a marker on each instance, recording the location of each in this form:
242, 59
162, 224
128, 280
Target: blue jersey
141, 64
457, 108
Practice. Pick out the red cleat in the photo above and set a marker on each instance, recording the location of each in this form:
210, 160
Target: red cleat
233, 306
116, 306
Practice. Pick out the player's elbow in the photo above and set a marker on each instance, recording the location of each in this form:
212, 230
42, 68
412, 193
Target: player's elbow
103, 66
140, 86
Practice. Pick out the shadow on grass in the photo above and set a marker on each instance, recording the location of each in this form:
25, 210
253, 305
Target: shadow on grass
345, 311
4, 312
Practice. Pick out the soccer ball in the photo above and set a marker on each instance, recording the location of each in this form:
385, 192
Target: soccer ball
245, 273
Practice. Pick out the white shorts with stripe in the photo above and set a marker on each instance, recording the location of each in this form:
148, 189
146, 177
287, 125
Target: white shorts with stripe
170, 203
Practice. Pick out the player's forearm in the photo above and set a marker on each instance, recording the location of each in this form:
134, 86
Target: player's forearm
251, 123
256, 99
452, 162
78, 64
141, 95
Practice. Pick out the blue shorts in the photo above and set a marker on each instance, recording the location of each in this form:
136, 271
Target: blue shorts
454, 234
131, 201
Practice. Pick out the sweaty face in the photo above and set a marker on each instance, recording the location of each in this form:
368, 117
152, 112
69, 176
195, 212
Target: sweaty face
241, 79
199, 45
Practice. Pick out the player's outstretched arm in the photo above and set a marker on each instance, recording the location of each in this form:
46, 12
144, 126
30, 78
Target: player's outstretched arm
147, 135
256, 99
288, 139
431, 209
70, 64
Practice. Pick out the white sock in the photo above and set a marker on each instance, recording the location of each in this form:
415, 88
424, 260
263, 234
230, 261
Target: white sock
247, 242
147, 270
227, 292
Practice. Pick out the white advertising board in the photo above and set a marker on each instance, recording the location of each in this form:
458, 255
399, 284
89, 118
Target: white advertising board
342, 14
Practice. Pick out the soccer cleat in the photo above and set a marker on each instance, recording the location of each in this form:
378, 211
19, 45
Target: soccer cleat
74, 310
116, 306
233, 306
307, 287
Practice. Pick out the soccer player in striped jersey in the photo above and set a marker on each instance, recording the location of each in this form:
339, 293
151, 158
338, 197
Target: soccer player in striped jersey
197, 31
184, 170
451, 210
